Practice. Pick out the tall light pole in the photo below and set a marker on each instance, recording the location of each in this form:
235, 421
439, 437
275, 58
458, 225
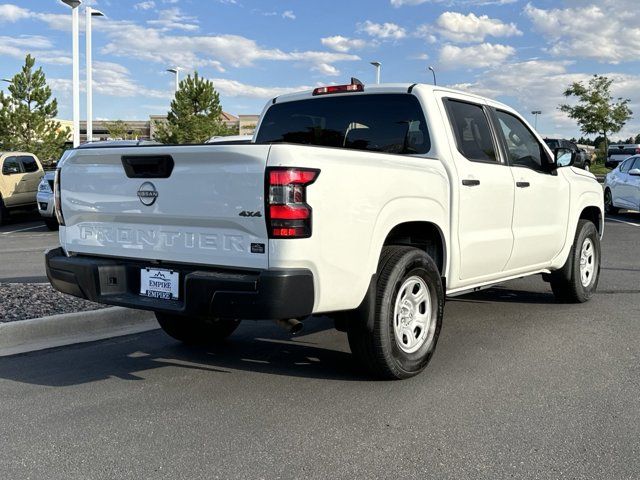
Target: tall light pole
74, 4
434, 74
377, 65
535, 113
176, 71
90, 14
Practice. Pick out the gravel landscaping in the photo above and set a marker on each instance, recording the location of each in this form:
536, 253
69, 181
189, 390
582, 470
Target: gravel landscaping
21, 301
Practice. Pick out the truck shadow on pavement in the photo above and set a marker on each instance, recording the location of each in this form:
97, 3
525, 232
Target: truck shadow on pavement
257, 347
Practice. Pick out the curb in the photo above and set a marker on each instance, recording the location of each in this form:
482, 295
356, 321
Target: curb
70, 328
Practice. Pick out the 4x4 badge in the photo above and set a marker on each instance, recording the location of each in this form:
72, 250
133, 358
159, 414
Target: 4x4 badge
245, 213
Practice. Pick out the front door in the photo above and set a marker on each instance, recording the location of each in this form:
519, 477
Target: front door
12, 176
542, 196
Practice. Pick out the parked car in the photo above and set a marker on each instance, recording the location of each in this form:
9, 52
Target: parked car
21, 174
582, 160
45, 201
619, 153
622, 186
366, 203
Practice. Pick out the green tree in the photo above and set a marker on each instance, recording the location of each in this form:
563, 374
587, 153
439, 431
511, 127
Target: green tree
596, 111
195, 114
118, 130
27, 116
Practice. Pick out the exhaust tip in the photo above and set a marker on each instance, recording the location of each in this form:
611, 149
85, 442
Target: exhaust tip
292, 325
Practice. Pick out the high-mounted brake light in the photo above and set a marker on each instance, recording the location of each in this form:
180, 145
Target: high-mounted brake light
57, 202
354, 87
288, 214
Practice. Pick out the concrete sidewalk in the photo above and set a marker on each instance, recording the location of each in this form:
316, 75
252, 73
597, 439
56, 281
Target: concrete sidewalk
71, 328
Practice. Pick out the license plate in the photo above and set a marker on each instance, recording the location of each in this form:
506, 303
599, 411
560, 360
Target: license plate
157, 283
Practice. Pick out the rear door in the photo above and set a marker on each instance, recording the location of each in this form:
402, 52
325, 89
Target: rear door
200, 204
541, 208
32, 175
486, 192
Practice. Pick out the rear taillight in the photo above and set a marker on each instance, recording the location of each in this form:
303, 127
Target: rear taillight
288, 214
637, 151
56, 197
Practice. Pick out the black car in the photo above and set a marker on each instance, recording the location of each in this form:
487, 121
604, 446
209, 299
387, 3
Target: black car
583, 159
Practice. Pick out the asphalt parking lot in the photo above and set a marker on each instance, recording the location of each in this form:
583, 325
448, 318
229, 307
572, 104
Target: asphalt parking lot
519, 387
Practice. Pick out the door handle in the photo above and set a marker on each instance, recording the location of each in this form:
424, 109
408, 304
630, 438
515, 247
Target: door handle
523, 184
24, 179
470, 183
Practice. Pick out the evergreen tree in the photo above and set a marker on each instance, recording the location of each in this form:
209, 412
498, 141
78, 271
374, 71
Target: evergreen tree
27, 116
195, 114
596, 111
118, 131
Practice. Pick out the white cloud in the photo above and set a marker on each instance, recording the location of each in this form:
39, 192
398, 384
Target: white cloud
234, 88
470, 28
173, 19
40, 47
539, 85
12, 13
476, 56
467, 3
288, 14
326, 69
343, 44
606, 32
148, 5
383, 31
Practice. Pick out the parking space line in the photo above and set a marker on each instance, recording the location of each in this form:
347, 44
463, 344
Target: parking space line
624, 221
22, 230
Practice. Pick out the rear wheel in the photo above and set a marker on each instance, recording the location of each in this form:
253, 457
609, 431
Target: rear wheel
399, 339
196, 331
608, 203
577, 280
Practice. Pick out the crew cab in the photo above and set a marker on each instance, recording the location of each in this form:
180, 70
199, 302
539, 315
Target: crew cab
366, 203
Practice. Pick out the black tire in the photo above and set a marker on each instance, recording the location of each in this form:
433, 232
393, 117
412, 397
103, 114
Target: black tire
51, 223
4, 214
566, 283
608, 203
372, 338
196, 331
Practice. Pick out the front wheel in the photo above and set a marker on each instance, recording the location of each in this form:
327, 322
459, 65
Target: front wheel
51, 223
399, 338
577, 280
196, 331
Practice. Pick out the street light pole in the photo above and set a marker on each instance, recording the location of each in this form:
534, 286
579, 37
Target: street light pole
90, 13
377, 65
535, 113
434, 74
74, 4
176, 71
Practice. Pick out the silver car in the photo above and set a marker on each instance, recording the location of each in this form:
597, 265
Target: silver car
44, 198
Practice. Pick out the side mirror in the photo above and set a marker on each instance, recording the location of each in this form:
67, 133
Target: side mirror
564, 157
635, 172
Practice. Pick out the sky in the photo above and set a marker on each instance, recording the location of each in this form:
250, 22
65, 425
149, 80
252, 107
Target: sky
524, 53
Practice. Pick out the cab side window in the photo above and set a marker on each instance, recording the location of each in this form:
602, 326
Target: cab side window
471, 128
11, 166
524, 149
29, 164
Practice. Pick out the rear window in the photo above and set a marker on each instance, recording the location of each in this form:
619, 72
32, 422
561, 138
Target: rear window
390, 123
628, 151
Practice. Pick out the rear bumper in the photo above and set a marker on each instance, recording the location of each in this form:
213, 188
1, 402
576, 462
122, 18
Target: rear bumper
223, 293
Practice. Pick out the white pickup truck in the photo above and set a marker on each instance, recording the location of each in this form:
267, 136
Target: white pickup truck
366, 203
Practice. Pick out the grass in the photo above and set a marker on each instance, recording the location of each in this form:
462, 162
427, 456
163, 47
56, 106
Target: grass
599, 169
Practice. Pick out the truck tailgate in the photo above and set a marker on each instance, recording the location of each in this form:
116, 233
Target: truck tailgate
208, 211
